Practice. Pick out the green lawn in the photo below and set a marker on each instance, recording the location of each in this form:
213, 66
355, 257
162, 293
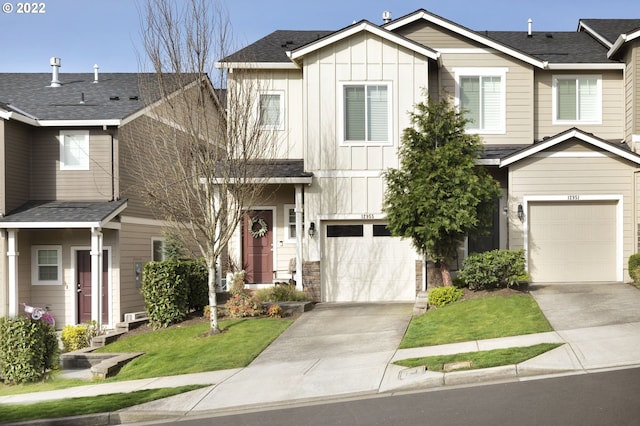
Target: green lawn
481, 359
476, 319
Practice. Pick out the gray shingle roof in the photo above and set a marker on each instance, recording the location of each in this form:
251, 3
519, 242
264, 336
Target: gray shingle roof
612, 28
114, 97
62, 211
274, 46
554, 47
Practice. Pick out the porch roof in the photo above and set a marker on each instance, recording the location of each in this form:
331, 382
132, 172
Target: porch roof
64, 214
278, 171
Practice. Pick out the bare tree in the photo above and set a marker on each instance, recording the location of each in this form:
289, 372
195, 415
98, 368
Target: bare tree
199, 153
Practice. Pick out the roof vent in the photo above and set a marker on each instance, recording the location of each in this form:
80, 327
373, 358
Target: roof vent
55, 63
529, 22
95, 73
386, 16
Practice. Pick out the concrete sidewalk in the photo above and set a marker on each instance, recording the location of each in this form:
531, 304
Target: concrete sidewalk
323, 357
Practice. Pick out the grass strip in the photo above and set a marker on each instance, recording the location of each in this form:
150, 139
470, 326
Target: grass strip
86, 405
480, 359
476, 319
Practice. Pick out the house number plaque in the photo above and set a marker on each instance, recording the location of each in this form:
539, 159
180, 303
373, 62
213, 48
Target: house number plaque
573, 197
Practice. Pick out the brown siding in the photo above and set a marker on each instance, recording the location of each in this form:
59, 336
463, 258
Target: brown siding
48, 182
435, 37
17, 165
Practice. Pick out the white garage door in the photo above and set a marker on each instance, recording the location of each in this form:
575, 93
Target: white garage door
362, 263
572, 241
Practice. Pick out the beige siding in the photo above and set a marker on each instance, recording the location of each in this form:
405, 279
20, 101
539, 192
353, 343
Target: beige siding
632, 91
613, 106
50, 183
435, 37
570, 176
17, 170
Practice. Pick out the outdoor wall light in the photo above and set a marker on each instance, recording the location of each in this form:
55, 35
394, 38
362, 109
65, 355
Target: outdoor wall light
312, 229
520, 213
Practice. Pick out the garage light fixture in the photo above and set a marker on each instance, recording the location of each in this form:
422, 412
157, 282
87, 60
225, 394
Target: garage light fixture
520, 213
312, 229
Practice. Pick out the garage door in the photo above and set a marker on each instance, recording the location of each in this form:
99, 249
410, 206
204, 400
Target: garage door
363, 263
572, 241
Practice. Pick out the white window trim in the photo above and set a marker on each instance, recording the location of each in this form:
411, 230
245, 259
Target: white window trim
34, 265
340, 121
287, 224
153, 240
554, 98
281, 120
63, 134
485, 72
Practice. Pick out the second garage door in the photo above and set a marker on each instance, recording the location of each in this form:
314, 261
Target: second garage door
363, 263
572, 241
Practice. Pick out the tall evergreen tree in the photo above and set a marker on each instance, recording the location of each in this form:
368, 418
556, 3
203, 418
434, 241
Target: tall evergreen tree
439, 196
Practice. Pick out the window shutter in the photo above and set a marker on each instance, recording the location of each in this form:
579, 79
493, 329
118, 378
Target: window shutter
377, 113
354, 113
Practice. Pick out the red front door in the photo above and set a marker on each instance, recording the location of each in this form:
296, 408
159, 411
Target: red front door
257, 246
83, 274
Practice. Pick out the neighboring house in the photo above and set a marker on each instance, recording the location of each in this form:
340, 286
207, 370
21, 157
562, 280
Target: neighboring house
559, 113
68, 208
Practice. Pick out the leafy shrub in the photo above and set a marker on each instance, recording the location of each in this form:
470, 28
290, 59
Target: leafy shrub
242, 305
281, 293
196, 275
634, 267
28, 348
492, 269
165, 292
237, 282
274, 311
441, 296
79, 336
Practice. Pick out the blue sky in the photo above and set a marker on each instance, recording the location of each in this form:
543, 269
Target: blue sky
107, 32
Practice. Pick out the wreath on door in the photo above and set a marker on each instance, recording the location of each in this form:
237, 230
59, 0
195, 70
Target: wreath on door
260, 230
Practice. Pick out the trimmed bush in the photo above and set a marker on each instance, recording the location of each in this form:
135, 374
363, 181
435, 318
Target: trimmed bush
166, 293
441, 296
242, 305
281, 293
79, 336
196, 274
493, 269
28, 349
634, 267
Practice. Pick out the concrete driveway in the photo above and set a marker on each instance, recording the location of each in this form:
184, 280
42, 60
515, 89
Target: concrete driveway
575, 306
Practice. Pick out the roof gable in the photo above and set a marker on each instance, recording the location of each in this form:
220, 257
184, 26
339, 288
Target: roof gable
358, 27
465, 32
565, 136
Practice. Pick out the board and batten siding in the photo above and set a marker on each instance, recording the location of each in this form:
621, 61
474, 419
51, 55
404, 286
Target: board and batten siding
50, 183
572, 176
613, 105
632, 90
17, 165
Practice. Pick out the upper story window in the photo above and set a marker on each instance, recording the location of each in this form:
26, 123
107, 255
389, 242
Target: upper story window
271, 110
157, 249
577, 99
74, 150
366, 113
46, 265
481, 94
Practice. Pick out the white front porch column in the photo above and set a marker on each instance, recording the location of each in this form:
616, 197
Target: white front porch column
96, 275
299, 235
12, 254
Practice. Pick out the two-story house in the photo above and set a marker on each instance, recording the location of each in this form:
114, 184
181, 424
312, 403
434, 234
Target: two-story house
74, 234
558, 113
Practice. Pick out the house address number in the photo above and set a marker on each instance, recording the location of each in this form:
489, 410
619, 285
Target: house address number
573, 197
368, 216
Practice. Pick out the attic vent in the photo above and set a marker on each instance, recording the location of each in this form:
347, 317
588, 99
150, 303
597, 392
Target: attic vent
114, 98
549, 35
133, 98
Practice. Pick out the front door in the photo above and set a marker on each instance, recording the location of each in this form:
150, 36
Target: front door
83, 275
257, 246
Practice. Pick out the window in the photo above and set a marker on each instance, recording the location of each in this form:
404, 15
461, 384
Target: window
290, 222
481, 95
46, 265
271, 110
577, 99
334, 231
366, 113
157, 250
74, 150
381, 231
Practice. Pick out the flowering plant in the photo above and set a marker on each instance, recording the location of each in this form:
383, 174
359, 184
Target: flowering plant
39, 314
